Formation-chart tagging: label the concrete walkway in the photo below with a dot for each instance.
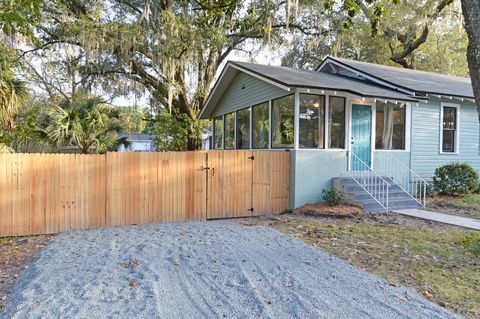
(442, 218)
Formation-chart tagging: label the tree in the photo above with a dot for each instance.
(170, 48)
(442, 51)
(13, 92)
(85, 122)
(471, 13)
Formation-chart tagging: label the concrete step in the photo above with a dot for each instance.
(398, 198)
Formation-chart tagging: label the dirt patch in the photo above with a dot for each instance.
(465, 206)
(428, 256)
(15, 255)
(325, 210)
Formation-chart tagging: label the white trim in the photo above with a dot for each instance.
(331, 60)
(373, 132)
(251, 128)
(235, 129)
(408, 125)
(327, 111)
(457, 129)
(296, 121)
(270, 124)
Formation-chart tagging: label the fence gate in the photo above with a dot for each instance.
(247, 183)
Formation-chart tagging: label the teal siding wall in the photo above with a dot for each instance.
(312, 171)
(425, 144)
(380, 160)
(255, 91)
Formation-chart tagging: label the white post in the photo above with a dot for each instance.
(296, 125)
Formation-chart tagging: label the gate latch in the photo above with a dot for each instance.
(251, 157)
(250, 209)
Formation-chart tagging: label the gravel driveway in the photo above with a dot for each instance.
(202, 270)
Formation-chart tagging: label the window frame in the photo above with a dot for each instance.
(249, 109)
(346, 124)
(252, 120)
(234, 147)
(222, 117)
(322, 128)
(456, 145)
(294, 123)
(406, 129)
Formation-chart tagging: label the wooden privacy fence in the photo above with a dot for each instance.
(49, 193)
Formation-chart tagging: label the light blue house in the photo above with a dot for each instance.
(377, 132)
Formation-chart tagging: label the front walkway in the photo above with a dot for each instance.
(442, 218)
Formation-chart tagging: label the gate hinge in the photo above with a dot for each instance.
(251, 157)
(250, 209)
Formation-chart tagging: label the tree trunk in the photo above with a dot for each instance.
(471, 13)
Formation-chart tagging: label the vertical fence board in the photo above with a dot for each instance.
(48, 193)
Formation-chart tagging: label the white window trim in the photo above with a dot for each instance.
(408, 125)
(457, 128)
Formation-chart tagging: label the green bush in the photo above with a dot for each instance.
(333, 197)
(455, 179)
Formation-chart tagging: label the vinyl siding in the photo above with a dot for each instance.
(380, 161)
(425, 145)
(312, 171)
(255, 91)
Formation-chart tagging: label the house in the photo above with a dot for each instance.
(138, 143)
(378, 132)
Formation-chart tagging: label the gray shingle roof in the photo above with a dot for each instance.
(418, 81)
(320, 80)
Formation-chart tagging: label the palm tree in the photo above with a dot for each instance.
(87, 123)
(13, 92)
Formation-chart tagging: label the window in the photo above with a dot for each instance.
(312, 121)
(390, 126)
(449, 129)
(218, 132)
(336, 122)
(243, 129)
(261, 125)
(229, 130)
(283, 122)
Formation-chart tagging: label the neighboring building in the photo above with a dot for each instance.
(139, 143)
(381, 126)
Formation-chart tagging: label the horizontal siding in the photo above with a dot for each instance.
(313, 171)
(381, 159)
(254, 91)
(426, 138)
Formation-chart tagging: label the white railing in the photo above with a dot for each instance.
(374, 184)
(400, 174)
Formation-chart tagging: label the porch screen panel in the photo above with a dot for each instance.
(261, 125)
(243, 129)
(229, 131)
(218, 132)
(336, 122)
(312, 121)
(283, 112)
(390, 126)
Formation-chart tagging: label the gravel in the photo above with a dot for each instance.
(202, 270)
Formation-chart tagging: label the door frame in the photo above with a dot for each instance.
(373, 108)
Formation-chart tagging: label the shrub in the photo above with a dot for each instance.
(455, 179)
(333, 197)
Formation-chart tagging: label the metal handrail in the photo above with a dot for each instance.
(403, 176)
(374, 184)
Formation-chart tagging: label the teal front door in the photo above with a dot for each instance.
(361, 141)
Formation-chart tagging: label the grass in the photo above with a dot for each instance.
(463, 205)
(443, 265)
(468, 200)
